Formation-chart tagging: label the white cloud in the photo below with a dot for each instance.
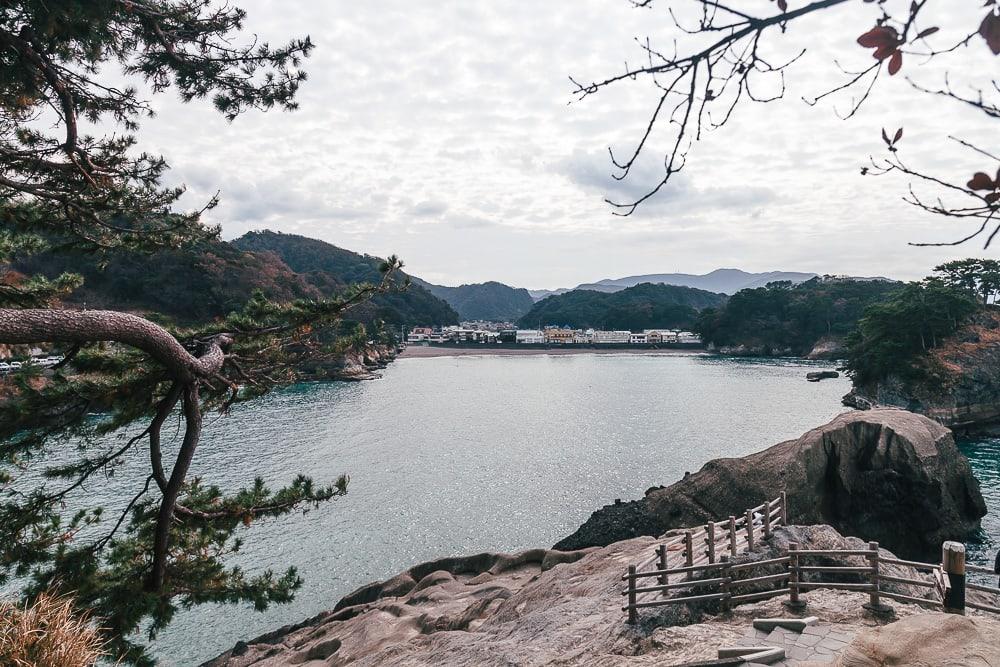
(444, 132)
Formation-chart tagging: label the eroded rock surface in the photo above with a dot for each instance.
(927, 640)
(884, 474)
(538, 607)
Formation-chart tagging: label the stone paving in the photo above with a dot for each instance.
(819, 643)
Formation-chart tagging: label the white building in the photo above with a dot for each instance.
(661, 335)
(527, 336)
(612, 336)
(638, 339)
(688, 337)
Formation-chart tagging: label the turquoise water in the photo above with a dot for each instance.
(984, 455)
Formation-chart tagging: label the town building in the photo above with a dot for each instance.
(530, 336)
(560, 336)
(608, 337)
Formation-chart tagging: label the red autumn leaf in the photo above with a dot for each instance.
(927, 33)
(879, 36)
(782, 5)
(885, 137)
(883, 52)
(992, 197)
(990, 31)
(895, 62)
(981, 181)
(899, 135)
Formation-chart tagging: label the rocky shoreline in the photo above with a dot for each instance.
(355, 365)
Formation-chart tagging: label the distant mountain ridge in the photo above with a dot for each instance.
(491, 301)
(721, 281)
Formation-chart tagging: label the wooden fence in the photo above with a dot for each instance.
(695, 550)
(697, 565)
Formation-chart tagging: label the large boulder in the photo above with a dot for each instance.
(927, 640)
(883, 474)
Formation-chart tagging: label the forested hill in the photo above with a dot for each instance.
(329, 268)
(645, 306)
(490, 301)
(198, 285)
(783, 318)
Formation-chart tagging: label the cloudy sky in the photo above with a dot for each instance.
(446, 132)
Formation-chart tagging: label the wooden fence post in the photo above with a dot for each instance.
(662, 564)
(632, 612)
(953, 566)
(793, 578)
(749, 530)
(688, 549)
(875, 601)
(767, 519)
(732, 538)
(726, 582)
(784, 509)
(710, 537)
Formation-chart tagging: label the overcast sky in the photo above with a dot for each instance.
(442, 131)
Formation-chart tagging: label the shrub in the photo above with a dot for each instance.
(48, 633)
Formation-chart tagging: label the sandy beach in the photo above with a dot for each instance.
(427, 351)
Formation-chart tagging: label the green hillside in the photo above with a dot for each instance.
(783, 316)
(490, 301)
(194, 286)
(329, 268)
(644, 306)
(186, 286)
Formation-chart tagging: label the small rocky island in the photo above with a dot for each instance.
(884, 474)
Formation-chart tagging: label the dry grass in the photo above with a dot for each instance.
(48, 633)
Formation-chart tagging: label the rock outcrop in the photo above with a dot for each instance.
(536, 608)
(828, 347)
(355, 364)
(927, 640)
(961, 381)
(884, 474)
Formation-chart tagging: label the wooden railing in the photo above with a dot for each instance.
(697, 566)
(702, 549)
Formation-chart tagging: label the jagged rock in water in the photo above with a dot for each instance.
(816, 376)
(927, 640)
(885, 474)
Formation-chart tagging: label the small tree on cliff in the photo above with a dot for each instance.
(75, 191)
(979, 277)
(717, 59)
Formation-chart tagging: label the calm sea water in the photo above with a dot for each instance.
(467, 454)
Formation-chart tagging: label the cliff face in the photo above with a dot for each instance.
(884, 474)
(538, 607)
(962, 387)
